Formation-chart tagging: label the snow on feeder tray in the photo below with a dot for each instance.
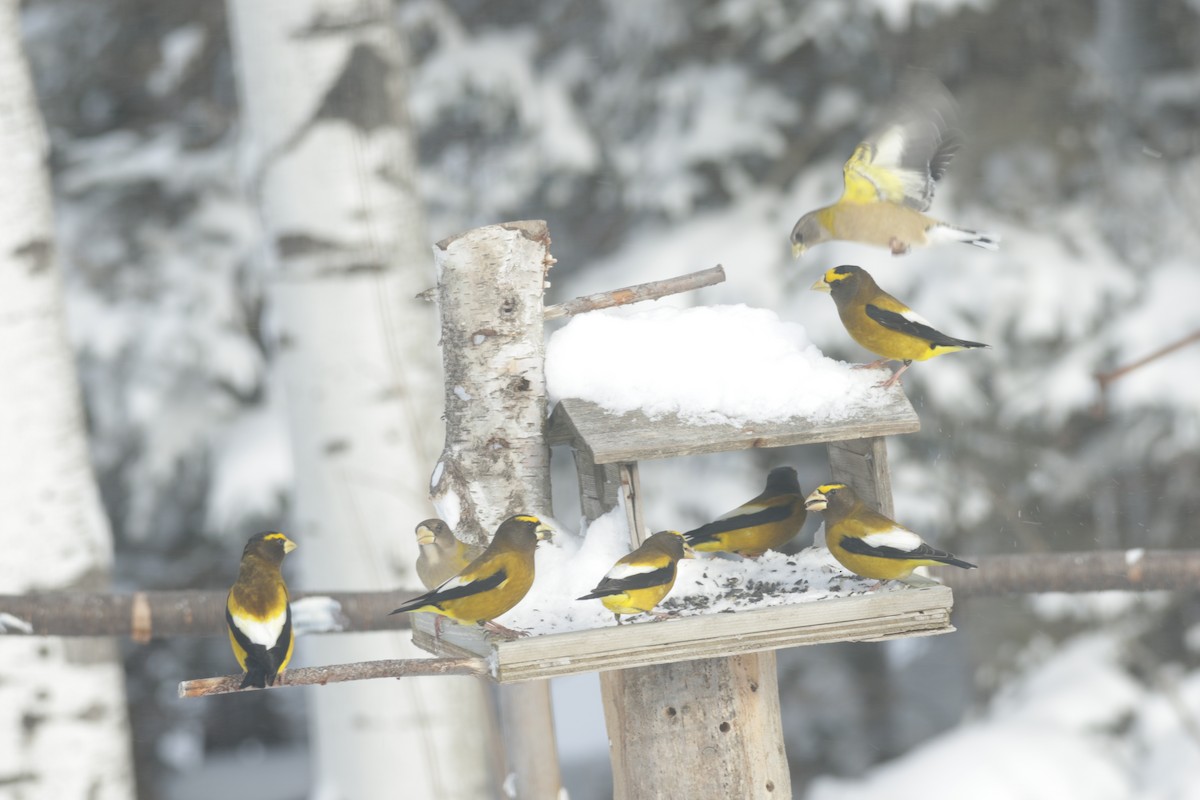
(775, 602)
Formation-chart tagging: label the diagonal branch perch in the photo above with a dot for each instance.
(339, 673)
(635, 294)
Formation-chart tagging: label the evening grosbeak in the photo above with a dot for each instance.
(494, 582)
(639, 581)
(257, 612)
(443, 555)
(869, 544)
(890, 178)
(766, 522)
(882, 324)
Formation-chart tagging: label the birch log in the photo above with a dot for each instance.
(330, 159)
(63, 726)
(496, 461)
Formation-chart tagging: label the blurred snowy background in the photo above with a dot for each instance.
(661, 137)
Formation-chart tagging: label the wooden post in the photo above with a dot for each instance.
(862, 465)
(496, 461)
(708, 728)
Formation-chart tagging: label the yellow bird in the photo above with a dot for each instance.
(257, 612)
(443, 555)
(869, 544)
(890, 178)
(764, 523)
(494, 582)
(882, 324)
(639, 581)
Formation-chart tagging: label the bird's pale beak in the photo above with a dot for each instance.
(798, 249)
(688, 552)
(544, 532)
(815, 501)
(425, 536)
(288, 545)
(821, 286)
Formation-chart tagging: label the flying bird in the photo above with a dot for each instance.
(882, 324)
(764, 523)
(494, 582)
(869, 544)
(639, 581)
(890, 178)
(257, 611)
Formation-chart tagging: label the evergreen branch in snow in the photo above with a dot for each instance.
(635, 294)
(340, 673)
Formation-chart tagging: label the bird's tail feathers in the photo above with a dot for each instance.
(953, 233)
(260, 668)
(954, 561)
(596, 594)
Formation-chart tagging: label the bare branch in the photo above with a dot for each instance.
(1105, 379)
(144, 615)
(634, 294)
(1130, 570)
(339, 673)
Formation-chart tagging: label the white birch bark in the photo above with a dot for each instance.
(63, 724)
(331, 159)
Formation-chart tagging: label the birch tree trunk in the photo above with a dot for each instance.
(331, 160)
(496, 461)
(63, 725)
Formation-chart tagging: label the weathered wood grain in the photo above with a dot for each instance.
(863, 466)
(869, 617)
(633, 436)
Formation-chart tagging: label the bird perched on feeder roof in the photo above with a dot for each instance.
(494, 582)
(443, 555)
(639, 581)
(869, 544)
(764, 523)
(882, 324)
(257, 611)
(890, 178)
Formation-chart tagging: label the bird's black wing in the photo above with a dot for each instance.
(710, 532)
(922, 553)
(639, 580)
(902, 324)
(439, 596)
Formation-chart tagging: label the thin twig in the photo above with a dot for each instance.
(1105, 378)
(339, 673)
(634, 294)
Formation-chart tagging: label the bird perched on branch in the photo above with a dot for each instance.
(494, 582)
(882, 324)
(443, 555)
(869, 544)
(257, 611)
(764, 523)
(639, 581)
(890, 178)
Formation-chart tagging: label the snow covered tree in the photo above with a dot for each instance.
(330, 162)
(62, 702)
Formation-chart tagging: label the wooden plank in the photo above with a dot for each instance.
(868, 617)
(631, 497)
(654, 723)
(598, 485)
(620, 438)
(863, 466)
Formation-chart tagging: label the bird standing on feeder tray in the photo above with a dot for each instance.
(257, 611)
(764, 523)
(890, 178)
(869, 544)
(882, 324)
(639, 581)
(494, 582)
(443, 555)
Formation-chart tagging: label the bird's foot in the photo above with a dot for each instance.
(508, 633)
(876, 364)
(898, 246)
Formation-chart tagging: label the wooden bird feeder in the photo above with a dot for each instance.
(607, 448)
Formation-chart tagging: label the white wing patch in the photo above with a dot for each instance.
(622, 571)
(261, 631)
(896, 538)
(889, 147)
(913, 316)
